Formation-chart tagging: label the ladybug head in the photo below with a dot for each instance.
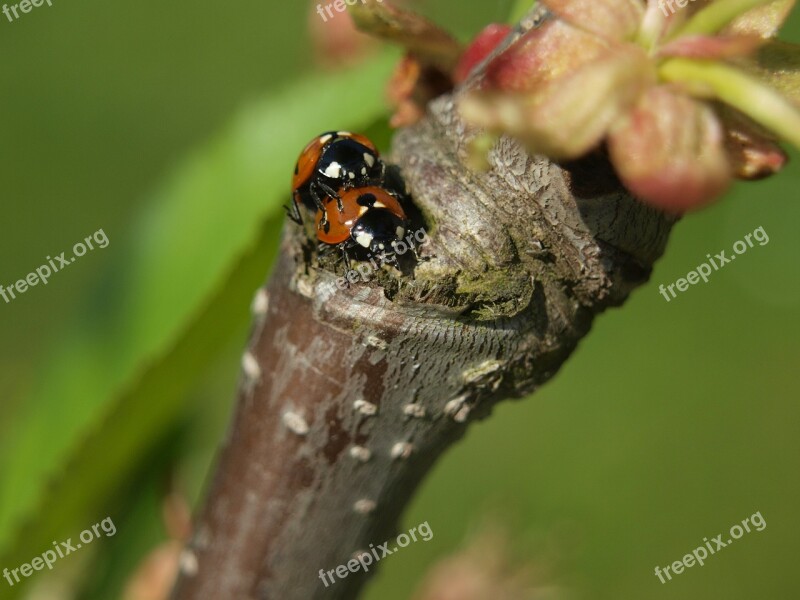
(377, 230)
(348, 162)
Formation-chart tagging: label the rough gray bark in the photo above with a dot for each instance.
(349, 396)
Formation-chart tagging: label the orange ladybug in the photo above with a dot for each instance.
(330, 164)
(370, 220)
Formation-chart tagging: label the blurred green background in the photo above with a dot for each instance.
(672, 421)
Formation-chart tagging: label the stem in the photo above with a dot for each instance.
(420, 37)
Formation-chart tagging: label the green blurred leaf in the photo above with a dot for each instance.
(717, 15)
(778, 64)
(519, 9)
(762, 103)
(105, 461)
(180, 294)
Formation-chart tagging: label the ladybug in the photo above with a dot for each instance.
(333, 162)
(370, 220)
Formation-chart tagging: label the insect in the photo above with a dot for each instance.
(329, 165)
(371, 220)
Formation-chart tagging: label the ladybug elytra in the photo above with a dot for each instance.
(372, 220)
(333, 161)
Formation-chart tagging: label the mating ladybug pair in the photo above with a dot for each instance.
(341, 178)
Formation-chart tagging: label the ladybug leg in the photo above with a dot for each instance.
(416, 254)
(391, 258)
(293, 212)
(332, 193)
(320, 206)
(343, 248)
(346, 258)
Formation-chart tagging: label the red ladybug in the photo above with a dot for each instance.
(330, 164)
(370, 219)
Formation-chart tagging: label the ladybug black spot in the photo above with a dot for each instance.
(366, 200)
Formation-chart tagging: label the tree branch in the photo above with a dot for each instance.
(522, 258)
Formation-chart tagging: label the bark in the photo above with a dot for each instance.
(349, 396)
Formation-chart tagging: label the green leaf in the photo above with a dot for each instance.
(736, 88)
(716, 16)
(106, 460)
(778, 64)
(164, 310)
(519, 9)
